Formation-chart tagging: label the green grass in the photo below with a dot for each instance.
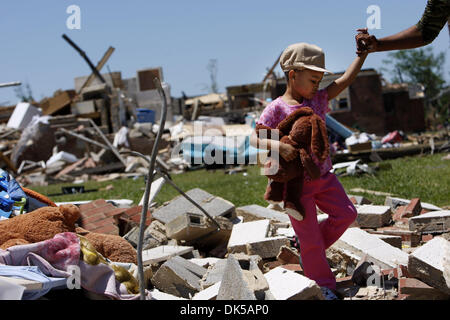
(424, 177)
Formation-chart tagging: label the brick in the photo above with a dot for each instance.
(407, 235)
(135, 215)
(85, 220)
(436, 221)
(107, 229)
(114, 212)
(293, 267)
(400, 272)
(92, 205)
(413, 208)
(360, 242)
(98, 210)
(395, 202)
(86, 206)
(399, 213)
(427, 263)
(100, 202)
(418, 289)
(288, 255)
(272, 265)
(427, 237)
(371, 216)
(359, 200)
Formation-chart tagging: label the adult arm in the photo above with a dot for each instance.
(434, 18)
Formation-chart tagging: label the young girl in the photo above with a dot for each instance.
(304, 67)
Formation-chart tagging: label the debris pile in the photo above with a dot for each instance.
(393, 252)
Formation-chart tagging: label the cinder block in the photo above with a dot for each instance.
(427, 263)
(163, 253)
(255, 212)
(247, 232)
(289, 285)
(240, 283)
(214, 274)
(360, 242)
(188, 226)
(395, 241)
(205, 262)
(199, 228)
(370, 216)
(179, 277)
(268, 247)
(215, 206)
(209, 293)
(436, 221)
(394, 202)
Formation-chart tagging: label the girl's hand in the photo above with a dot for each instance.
(287, 151)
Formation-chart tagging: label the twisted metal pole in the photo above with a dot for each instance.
(148, 184)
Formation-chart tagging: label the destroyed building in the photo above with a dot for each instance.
(366, 105)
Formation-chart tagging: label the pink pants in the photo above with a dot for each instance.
(329, 195)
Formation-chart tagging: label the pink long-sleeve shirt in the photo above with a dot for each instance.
(278, 110)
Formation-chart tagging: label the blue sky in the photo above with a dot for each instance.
(182, 36)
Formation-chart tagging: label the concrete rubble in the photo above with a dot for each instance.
(254, 254)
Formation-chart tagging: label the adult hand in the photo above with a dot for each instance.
(365, 42)
(287, 151)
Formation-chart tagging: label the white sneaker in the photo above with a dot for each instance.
(328, 294)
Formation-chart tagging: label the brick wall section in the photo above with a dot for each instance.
(134, 214)
(367, 107)
(100, 216)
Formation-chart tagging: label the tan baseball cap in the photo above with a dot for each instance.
(303, 55)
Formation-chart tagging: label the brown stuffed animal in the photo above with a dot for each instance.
(44, 223)
(306, 132)
(38, 225)
(115, 248)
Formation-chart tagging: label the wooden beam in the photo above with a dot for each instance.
(273, 67)
(99, 66)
